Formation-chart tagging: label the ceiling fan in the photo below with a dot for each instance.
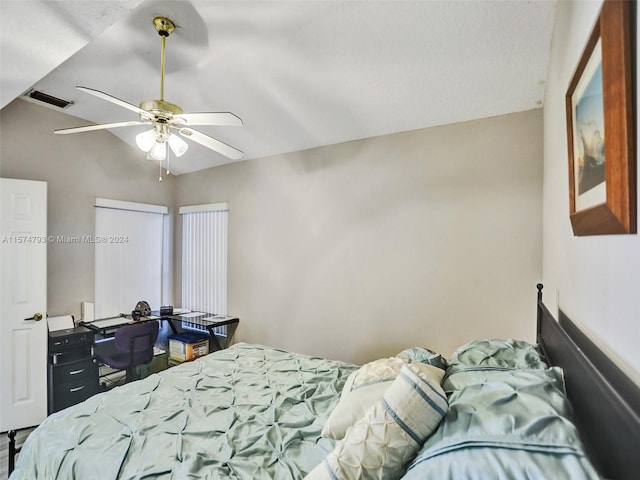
(168, 122)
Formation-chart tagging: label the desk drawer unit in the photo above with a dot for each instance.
(72, 382)
(75, 371)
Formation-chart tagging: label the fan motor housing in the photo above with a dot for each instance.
(160, 106)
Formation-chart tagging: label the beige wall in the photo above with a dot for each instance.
(78, 168)
(352, 251)
(595, 280)
(358, 250)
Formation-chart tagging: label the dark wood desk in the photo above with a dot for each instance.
(108, 326)
(188, 321)
(212, 324)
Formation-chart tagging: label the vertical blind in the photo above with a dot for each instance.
(204, 257)
(129, 253)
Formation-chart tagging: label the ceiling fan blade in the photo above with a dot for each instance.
(212, 143)
(225, 119)
(110, 98)
(88, 128)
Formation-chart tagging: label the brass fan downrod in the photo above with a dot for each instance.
(164, 27)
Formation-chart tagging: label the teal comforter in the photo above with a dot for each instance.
(248, 412)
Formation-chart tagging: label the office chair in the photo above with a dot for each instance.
(134, 346)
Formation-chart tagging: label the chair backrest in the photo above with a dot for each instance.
(137, 339)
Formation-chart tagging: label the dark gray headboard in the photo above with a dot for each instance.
(605, 401)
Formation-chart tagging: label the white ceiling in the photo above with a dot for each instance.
(300, 74)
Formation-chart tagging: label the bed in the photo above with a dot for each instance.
(497, 408)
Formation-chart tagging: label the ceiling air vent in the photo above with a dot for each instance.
(37, 96)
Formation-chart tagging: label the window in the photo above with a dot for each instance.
(204, 257)
(131, 252)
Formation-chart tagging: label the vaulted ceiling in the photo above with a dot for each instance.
(300, 74)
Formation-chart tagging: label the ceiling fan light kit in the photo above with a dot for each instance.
(167, 120)
(145, 140)
(178, 146)
(158, 151)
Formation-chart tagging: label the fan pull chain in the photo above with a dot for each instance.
(160, 163)
(168, 157)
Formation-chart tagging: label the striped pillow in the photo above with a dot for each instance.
(388, 436)
(364, 388)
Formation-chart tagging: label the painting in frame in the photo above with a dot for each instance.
(600, 129)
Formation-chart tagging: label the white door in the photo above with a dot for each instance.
(23, 298)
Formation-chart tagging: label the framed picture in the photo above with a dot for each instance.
(600, 129)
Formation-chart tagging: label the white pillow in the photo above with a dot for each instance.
(381, 443)
(364, 388)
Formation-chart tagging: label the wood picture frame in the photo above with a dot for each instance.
(600, 98)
